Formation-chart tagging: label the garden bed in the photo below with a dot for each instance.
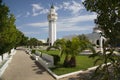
(83, 63)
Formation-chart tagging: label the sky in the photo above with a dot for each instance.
(31, 17)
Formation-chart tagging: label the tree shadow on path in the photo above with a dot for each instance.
(38, 67)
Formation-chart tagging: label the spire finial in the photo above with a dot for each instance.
(52, 6)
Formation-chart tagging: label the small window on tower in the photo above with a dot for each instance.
(49, 16)
(53, 14)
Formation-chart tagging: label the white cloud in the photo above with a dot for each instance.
(66, 5)
(37, 9)
(74, 28)
(36, 6)
(40, 24)
(68, 24)
(27, 14)
(44, 11)
(80, 18)
(18, 27)
(73, 6)
(76, 7)
(18, 16)
(82, 0)
(32, 33)
(57, 8)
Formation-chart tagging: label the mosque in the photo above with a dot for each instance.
(95, 37)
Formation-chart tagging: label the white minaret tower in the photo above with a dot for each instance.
(52, 17)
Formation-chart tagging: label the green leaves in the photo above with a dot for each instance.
(72, 48)
(9, 35)
(108, 17)
(31, 42)
(108, 20)
(53, 47)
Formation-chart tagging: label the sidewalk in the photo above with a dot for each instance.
(22, 67)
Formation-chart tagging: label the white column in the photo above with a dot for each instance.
(101, 44)
(50, 32)
(55, 31)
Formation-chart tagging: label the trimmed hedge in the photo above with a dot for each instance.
(56, 59)
(33, 51)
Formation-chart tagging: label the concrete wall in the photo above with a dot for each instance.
(48, 58)
(6, 60)
(44, 59)
(0, 59)
(5, 56)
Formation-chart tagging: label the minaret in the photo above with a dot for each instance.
(52, 17)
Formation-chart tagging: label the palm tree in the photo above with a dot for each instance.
(75, 50)
(71, 48)
(64, 47)
(78, 45)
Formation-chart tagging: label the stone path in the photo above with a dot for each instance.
(22, 67)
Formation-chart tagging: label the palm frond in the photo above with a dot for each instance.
(53, 47)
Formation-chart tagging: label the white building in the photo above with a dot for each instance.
(52, 17)
(95, 37)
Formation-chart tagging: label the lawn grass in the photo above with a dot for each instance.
(55, 52)
(83, 63)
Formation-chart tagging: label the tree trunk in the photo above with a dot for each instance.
(72, 61)
(66, 61)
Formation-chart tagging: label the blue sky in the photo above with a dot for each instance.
(31, 17)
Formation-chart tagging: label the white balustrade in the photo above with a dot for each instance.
(44, 59)
(5, 56)
(6, 60)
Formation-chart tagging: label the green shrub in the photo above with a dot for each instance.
(33, 51)
(56, 59)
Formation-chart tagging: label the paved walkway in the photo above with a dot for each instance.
(22, 67)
